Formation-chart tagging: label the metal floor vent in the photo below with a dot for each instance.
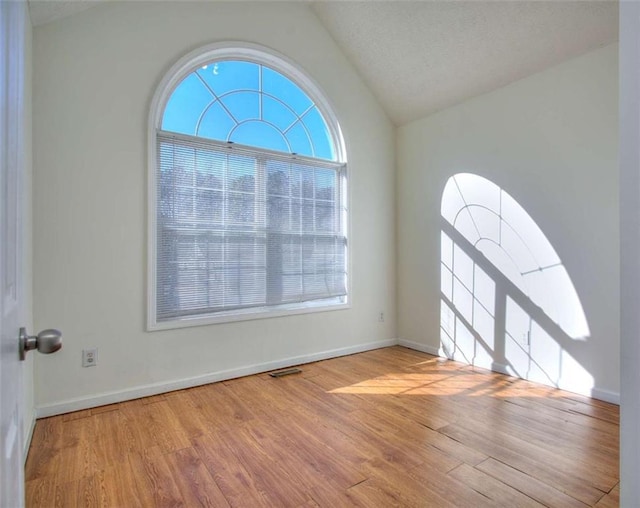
(284, 372)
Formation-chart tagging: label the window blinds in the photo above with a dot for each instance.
(240, 228)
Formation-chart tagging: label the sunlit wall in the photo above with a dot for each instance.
(507, 300)
(546, 148)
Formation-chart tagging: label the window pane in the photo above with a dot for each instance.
(242, 105)
(276, 84)
(240, 207)
(226, 76)
(295, 180)
(320, 136)
(277, 180)
(183, 203)
(296, 215)
(325, 184)
(209, 205)
(278, 213)
(306, 175)
(275, 112)
(216, 123)
(298, 138)
(185, 106)
(210, 169)
(307, 215)
(260, 134)
(240, 175)
(325, 216)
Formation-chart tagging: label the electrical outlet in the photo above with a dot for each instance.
(90, 357)
(381, 317)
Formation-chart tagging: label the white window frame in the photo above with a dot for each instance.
(259, 54)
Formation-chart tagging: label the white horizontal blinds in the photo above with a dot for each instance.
(240, 228)
(306, 244)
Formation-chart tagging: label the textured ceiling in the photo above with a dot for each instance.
(422, 56)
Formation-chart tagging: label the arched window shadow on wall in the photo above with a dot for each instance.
(507, 302)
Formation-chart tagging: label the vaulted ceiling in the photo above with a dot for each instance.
(422, 56)
(419, 57)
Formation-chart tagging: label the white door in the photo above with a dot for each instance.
(12, 32)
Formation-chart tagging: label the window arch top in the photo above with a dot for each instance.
(249, 103)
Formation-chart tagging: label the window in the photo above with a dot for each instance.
(247, 192)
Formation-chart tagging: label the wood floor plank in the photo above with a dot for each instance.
(112, 443)
(161, 478)
(559, 442)
(377, 444)
(537, 405)
(516, 439)
(447, 487)
(545, 472)
(389, 427)
(310, 431)
(329, 497)
(219, 406)
(269, 404)
(492, 488)
(309, 393)
(188, 417)
(304, 459)
(127, 484)
(411, 423)
(86, 492)
(42, 493)
(378, 492)
(412, 490)
(274, 483)
(196, 485)
(582, 428)
(68, 417)
(239, 486)
(409, 439)
(610, 500)
(154, 425)
(535, 489)
(66, 454)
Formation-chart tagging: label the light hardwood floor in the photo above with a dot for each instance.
(390, 427)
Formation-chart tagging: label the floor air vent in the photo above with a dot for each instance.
(284, 372)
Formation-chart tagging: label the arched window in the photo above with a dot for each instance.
(247, 191)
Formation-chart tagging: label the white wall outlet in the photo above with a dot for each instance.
(381, 317)
(90, 357)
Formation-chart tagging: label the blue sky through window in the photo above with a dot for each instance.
(250, 104)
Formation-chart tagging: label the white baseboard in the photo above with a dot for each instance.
(29, 437)
(595, 393)
(605, 395)
(180, 384)
(419, 347)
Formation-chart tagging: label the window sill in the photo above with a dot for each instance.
(246, 315)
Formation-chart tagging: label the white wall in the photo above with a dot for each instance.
(94, 76)
(550, 141)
